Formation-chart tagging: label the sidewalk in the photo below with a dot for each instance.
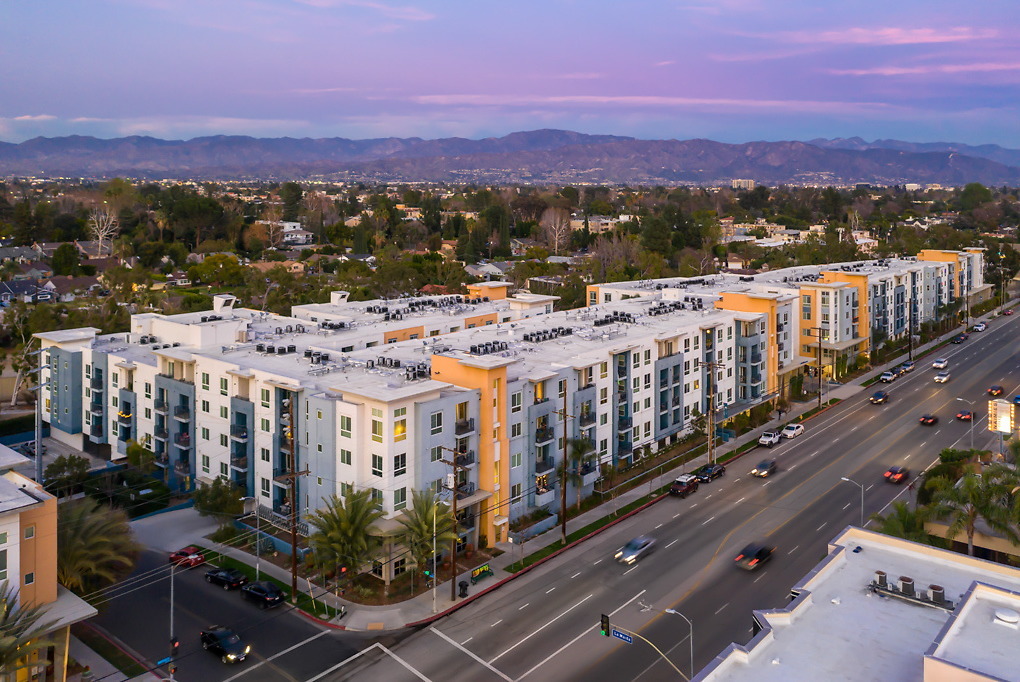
(99, 667)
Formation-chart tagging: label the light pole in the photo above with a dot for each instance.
(251, 506)
(173, 637)
(972, 418)
(844, 478)
(674, 612)
(435, 577)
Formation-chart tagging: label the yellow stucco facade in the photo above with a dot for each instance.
(758, 303)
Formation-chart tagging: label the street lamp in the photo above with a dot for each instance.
(435, 576)
(848, 480)
(251, 506)
(674, 612)
(972, 418)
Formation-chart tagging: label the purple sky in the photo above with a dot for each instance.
(729, 70)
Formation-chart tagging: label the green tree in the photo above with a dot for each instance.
(140, 457)
(579, 454)
(220, 499)
(94, 545)
(904, 522)
(976, 497)
(973, 195)
(290, 195)
(343, 530)
(66, 260)
(417, 529)
(656, 237)
(65, 474)
(22, 633)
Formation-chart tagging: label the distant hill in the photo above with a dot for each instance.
(537, 156)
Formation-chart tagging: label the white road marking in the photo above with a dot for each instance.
(583, 633)
(538, 630)
(792, 467)
(938, 432)
(278, 654)
(821, 526)
(870, 487)
(853, 429)
(708, 521)
(575, 575)
(721, 608)
(906, 458)
(521, 608)
(794, 549)
(550, 590)
(466, 641)
(676, 516)
(759, 577)
(672, 543)
(692, 507)
(597, 562)
(741, 500)
(347, 660)
(630, 569)
(496, 623)
(847, 505)
(471, 654)
(658, 527)
(835, 440)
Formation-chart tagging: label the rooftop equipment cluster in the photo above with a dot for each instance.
(616, 316)
(548, 334)
(272, 349)
(665, 307)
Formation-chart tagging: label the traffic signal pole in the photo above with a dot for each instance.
(607, 631)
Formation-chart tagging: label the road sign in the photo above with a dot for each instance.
(163, 661)
(624, 636)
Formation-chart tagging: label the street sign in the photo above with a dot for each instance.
(163, 661)
(624, 636)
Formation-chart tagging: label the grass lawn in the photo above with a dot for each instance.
(108, 650)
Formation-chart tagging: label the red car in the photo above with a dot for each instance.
(188, 557)
(965, 415)
(897, 474)
(996, 390)
(1008, 312)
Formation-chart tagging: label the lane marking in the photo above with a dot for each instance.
(550, 590)
(472, 655)
(597, 562)
(466, 641)
(721, 608)
(710, 519)
(521, 608)
(759, 577)
(277, 655)
(496, 623)
(869, 487)
(794, 549)
(658, 527)
(676, 516)
(692, 507)
(847, 505)
(575, 575)
(538, 630)
(821, 526)
(741, 500)
(672, 543)
(630, 569)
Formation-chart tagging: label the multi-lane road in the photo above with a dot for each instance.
(544, 625)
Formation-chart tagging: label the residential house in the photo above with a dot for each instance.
(23, 290)
(46, 249)
(91, 249)
(20, 254)
(33, 270)
(67, 288)
(292, 266)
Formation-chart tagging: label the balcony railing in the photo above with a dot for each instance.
(624, 447)
(464, 426)
(284, 444)
(161, 406)
(182, 440)
(124, 417)
(97, 408)
(539, 401)
(587, 419)
(162, 460)
(97, 384)
(283, 472)
(625, 422)
(239, 463)
(543, 465)
(465, 489)
(543, 434)
(466, 459)
(97, 429)
(182, 468)
(182, 413)
(544, 496)
(589, 473)
(755, 358)
(238, 432)
(160, 434)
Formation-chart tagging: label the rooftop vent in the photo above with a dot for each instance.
(1007, 617)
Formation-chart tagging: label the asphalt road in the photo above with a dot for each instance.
(285, 645)
(544, 626)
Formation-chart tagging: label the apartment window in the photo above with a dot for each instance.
(603, 396)
(648, 380)
(205, 433)
(515, 460)
(224, 386)
(223, 469)
(637, 383)
(205, 405)
(400, 412)
(113, 401)
(515, 430)
(400, 464)
(436, 453)
(400, 429)
(224, 441)
(29, 578)
(345, 426)
(515, 493)
(265, 487)
(148, 413)
(648, 429)
(516, 400)
(376, 412)
(377, 464)
(648, 357)
(29, 532)
(265, 425)
(603, 419)
(436, 422)
(3, 538)
(345, 457)
(224, 412)
(116, 378)
(148, 390)
(399, 502)
(264, 452)
(377, 497)
(563, 388)
(318, 447)
(205, 381)
(637, 360)
(346, 489)
(377, 430)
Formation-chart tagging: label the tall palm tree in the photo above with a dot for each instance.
(976, 497)
(94, 545)
(342, 535)
(22, 633)
(578, 454)
(904, 522)
(417, 529)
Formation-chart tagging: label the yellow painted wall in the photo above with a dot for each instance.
(39, 555)
(860, 282)
(805, 335)
(588, 290)
(493, 405)
(480, 320)
(745, 303)
(939, 256)
(403, 334)
(495, 293)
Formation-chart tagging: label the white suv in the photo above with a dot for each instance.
(940, 363)
(769, 438)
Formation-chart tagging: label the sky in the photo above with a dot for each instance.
(727, 70)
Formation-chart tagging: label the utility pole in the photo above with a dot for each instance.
(563, 470)
(291, 474)
(818, 335)
(910, 329)
(453, 543)
(710, 385)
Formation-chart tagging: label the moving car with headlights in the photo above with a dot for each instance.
(959, 338)
(792, 430)
(1008, 312)
(888, 377)
(225, 643)
(996, 390)
(636, 549)
(941, 377)
(905, 367)
(707, 472)
(187, 557)
(928, 420)
(765, 468)
(684, 485)
(940, 363)
(753, 556)
(965, 415)
(227, 578)
(263, 593)
(897, 474)
(769, 438)
(879, 397)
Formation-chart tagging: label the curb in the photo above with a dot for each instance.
(316, 619)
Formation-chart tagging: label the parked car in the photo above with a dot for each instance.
(263, 593)
(959, 338)
(980, 327)
(965, 415)
(753, 556)
(684, 485)
(227, 578)
(897, 474)
(225, 643)
(996, 390)
(707, 472)
(765, 468)
(769, 438)
(907, 366)
(792, 430)
(1008, 312)
(888, 377)
(188, 557)
(940, 363)
(636, 549)
(879, 397)
(928, 420)
(941, 377)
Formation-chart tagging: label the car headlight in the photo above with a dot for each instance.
(247, 649)
(231, 656)
(618, 555)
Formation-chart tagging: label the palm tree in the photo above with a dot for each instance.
(578, 455)
(976, 497)
(342, 535)
(94, 545)
(21, 633)
(424, 519)
(904, 522)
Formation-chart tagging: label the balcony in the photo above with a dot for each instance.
(465, 489)
(755, 358)
(544, 496)
(97, 408)
(543, 434)
(465, 459)
(97, 430)
(585, 387)
(162, 460)
(182, 413)
(624, 447)
(239, 433)
(543, 465)
(182, 468)
(284, 444)
(589, 473)
(464, 426)
(625, 422)
(182, 440)
(587, 419)
(282, 473)
(676, 401)
(160, 434)
(239, 463)
(539, 401)
(124, 417)
(162, 407)
(97, 384)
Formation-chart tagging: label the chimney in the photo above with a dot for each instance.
(936, 594)
(881, 580)
(907, 586)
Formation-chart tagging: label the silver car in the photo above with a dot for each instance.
(638, 548)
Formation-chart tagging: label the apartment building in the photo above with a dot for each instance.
(28, 560)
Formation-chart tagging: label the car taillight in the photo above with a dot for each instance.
(739, 557)
(753, 562)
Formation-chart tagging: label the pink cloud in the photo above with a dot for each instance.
(889, 36)
(38, 117)
(935, 68)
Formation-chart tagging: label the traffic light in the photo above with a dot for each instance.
(175, 646)
(605, 625)
(172, 668)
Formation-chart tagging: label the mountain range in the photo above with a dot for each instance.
(540, 156)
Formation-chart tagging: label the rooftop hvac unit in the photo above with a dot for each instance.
(176, 343)
(325, 357)
(308, 352)
(205, 318)
(166, 345)
(370, 364)
(292, 349)
(260, 347)
(301, 329)
(289, 329)
(282, 350)
(279, 330)
(396, 363)
(270, 349)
